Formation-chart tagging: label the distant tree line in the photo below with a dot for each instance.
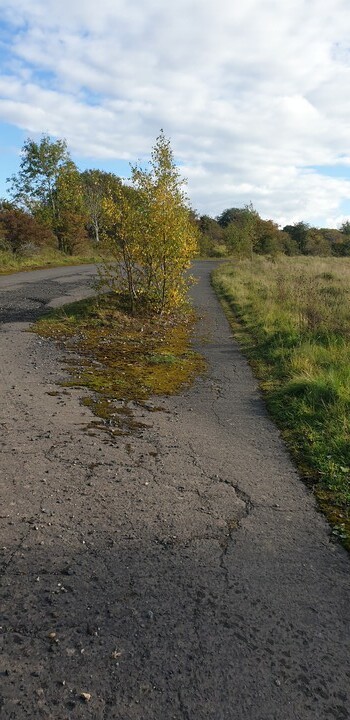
(54, 205)
(242, 232)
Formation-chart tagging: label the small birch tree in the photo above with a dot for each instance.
(97, 185)
(121, 223)
(169, 234)
(153, 233)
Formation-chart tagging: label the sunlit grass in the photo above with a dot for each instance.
(292, 316)
(10, 262)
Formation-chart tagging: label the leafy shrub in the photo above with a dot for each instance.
(18, 229)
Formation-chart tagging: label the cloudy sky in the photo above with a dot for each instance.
(254, 95)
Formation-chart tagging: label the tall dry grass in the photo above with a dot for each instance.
(294, 318)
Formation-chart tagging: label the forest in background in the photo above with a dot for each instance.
(242, 232)
(52, 206)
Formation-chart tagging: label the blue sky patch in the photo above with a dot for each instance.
(342, 172)
(245, 110)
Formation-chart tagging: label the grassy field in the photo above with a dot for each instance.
(10, 262)
(292, 316)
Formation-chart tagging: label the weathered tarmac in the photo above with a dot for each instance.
(181, 573)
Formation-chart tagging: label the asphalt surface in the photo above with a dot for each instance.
(179, 573)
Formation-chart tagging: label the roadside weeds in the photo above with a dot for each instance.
(280, 314)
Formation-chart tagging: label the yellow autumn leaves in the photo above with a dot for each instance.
(151, 234)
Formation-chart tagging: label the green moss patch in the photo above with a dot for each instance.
(121, 358)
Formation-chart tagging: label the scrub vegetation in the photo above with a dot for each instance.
(292, 316)
(151, 235)
(242, 232)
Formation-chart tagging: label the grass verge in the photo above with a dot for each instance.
(292, 318)
(123, 359)
(10, 263)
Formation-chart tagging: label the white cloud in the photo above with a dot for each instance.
(252, 94)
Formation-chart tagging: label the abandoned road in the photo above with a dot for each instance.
(181, 573)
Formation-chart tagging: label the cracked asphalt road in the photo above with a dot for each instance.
(182, 573)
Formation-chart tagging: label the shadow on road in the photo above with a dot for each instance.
(148, 627)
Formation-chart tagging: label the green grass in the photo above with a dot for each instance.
(123, 359)
(10, 262)
(292, 317)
